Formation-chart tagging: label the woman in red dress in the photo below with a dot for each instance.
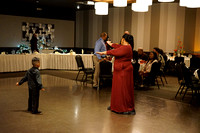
(122, 96)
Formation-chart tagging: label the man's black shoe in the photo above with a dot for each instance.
(37, 112)
(108, 108)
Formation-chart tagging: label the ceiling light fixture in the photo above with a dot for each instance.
(149, 2)
(139, 7)
(193, 4)
(120, 3)
(165, 0)
(101, 8)
(183, 3)
(78, 7)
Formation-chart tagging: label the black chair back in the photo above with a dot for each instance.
(105, 68)
(79, 62)
(194, 63)
(155, 69)
(179, 59)
(179, 71)
(187, 75)
(165, 57)
(152, 77)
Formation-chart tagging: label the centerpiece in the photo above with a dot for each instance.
(179, 50)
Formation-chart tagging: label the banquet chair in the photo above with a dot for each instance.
(180, 76)
(194, 63)
(160, 73)
(155, 72)
(179, 59)
(105, 71)
(152, 78)
(136, 76)
(81, 67)
(190, 82)
(170, 67)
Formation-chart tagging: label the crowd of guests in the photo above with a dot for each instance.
(155, 62)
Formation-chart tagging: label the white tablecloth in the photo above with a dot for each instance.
(186, 60)
(13, 63)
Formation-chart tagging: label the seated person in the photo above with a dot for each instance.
(164, 55)
(147, 72)
(142, 55)
(160, 58)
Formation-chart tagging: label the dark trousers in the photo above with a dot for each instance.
(33, 100)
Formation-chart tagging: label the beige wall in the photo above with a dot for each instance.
(160, 27)
(11, 32)
(197, 32)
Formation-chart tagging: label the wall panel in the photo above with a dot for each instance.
(197, 33)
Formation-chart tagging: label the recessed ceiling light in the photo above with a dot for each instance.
(78, 7)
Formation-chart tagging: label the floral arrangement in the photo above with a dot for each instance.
(22, 47)
(179, 50)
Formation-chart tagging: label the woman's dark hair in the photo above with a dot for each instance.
(157, 49)
(155, 55)
(161, 52)
(129, 39)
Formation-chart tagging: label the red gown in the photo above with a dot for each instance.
(122, 96)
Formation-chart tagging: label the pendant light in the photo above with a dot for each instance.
(120, 3)
(149, 2)
(101, 8)
(183, 3)
(139, 7)
(193, 4)
(165, 0)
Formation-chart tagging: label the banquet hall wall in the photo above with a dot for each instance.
(11, 31)
(160, 27)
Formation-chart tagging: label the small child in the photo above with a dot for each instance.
(34, 85)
